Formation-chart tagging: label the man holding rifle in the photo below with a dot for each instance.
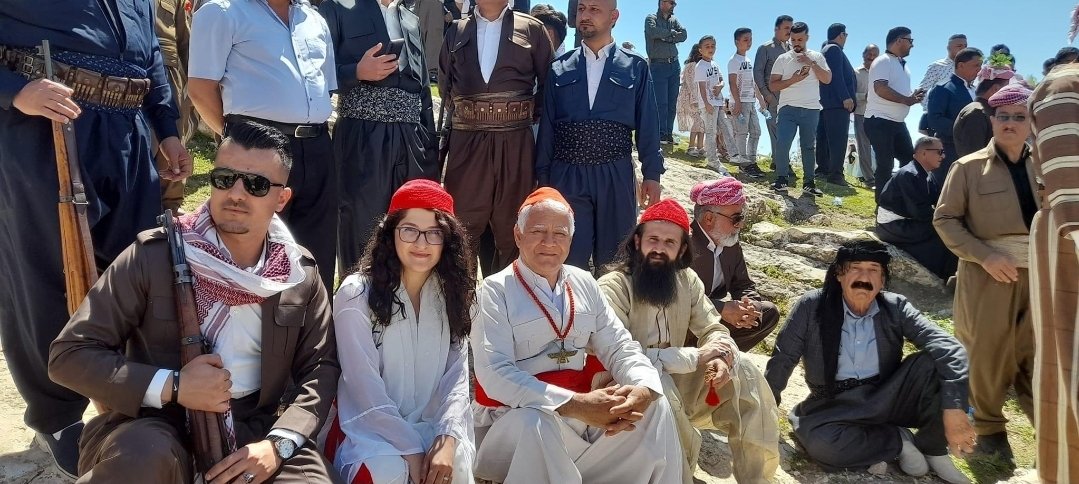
(263, 312)
(111, 84)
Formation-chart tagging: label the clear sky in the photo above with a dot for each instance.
(1032, 29)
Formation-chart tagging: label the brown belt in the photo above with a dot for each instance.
(487, 112)
(90, 87)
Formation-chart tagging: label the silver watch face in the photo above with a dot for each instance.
(285, 447)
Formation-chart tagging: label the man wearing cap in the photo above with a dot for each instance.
(720, 264)
(545, 409)
(262, 309)
(1055, 257)
(599, 102)
(863, 394)
(973, 129)
(984, 217)
(905, 210)
(662, 301)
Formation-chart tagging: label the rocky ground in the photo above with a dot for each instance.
(789, 243)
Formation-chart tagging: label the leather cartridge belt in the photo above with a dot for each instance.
(502, 111)
(91, 88)
(292, 130)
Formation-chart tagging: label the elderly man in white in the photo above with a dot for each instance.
(546, 409)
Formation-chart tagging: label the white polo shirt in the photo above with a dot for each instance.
(894, 70)
(804, 93)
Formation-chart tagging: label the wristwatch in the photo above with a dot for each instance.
(284, 446)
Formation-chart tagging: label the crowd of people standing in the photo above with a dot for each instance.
(611, 323)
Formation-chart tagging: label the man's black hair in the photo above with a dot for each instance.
(800, 28)
(783, 18)
(252, 135)
(957, 37)
(554, 20)
(1065, 53)
(835, 30)
(895, 34)
(740, 31)
(968, 54)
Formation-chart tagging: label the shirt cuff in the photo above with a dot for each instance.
(152, 397)
(295, 437)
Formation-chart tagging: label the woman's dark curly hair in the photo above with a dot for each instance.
(455, 270)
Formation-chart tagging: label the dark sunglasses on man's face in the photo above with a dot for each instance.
(735, 219)
(256, 185)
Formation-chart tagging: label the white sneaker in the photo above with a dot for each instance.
(911, 460)
(693, 152)
(945, 469)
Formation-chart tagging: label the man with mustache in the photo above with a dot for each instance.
(719, 262)
(599, 101)
(545, 409)
(662, 301)
(984, 216)
(263, 310)
(864, 395)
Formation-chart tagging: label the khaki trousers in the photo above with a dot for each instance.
(993, 321)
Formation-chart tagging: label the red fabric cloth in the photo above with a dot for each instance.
(572, 380)
(724, 191)
(421, 193)
(667, 210)
(544, 193)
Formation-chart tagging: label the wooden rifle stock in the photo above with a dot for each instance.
(80, 268)
(207, 428)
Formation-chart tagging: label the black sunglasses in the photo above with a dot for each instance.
(256, 185)
(735, 219)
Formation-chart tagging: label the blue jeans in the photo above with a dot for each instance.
(666, 77)
(803, 121)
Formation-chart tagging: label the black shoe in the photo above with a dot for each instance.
(753, 171)
(65, 450)
(838, 181)
(772, 166)
(996, 445)
(812, 190)
(780, 185)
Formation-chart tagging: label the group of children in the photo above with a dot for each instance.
(721, 129)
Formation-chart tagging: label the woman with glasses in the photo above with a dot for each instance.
(402, 320)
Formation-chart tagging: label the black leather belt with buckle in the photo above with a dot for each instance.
(663, 60)
(294, 130)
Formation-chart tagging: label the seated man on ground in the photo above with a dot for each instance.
(660, 300)
(541, 342)
(905, 210)
(720, 264)
(864, 396)
(261, 307)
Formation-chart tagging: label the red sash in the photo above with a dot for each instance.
(577, 381)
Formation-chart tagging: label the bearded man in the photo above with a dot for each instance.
(864, 396)
(661, 300)
(718, 217)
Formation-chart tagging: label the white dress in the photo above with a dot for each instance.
(401, 385)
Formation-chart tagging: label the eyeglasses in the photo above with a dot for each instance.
(1004, 118)
(735, 219)
(908, 39)
(410, 235)
(256, 185)
(938, 151)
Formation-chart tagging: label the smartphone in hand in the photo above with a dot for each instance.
(394, 47)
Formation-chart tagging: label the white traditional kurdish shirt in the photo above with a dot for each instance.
(513, 338)
(401, 385)
(594, 63)
(488, 38)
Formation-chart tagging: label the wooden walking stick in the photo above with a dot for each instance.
(208, 430)
(80, 269)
